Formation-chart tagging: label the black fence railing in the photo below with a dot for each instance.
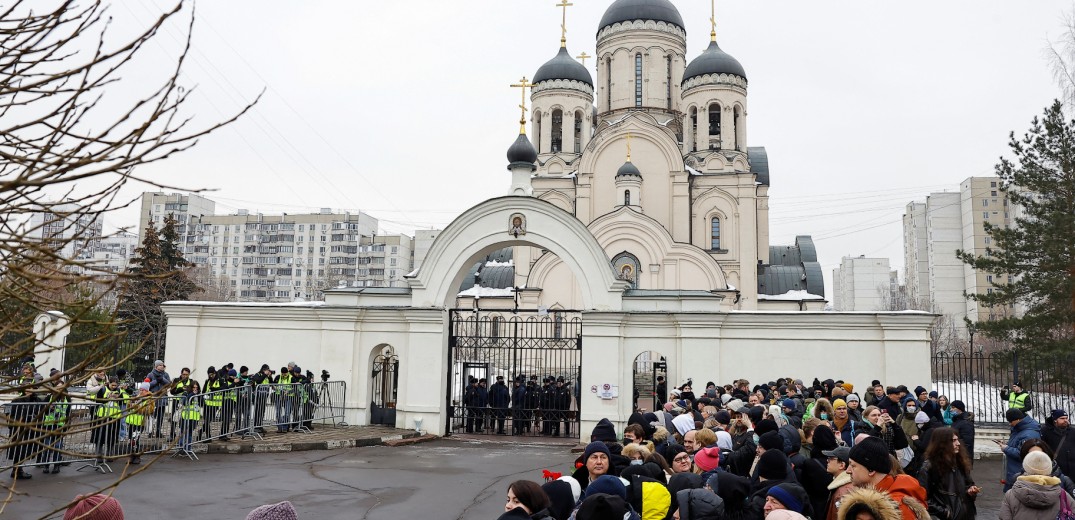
(979, 379)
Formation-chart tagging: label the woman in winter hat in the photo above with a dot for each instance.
(1036, 495)
(94, 507)
(279, 511)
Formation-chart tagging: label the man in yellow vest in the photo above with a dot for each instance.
(139, 411)
(1017, 397)
(285, 395)
(179, 388)
(109, 409)
(213, 402)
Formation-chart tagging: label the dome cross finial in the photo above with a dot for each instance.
(522, 85)
(563, 23)
(713, 20)
(628, 146)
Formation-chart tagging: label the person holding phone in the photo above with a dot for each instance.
(882, 425)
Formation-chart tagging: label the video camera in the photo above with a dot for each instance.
(325, 376)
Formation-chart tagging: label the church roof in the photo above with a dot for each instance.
(714, 61)
(759, 163)
(563, 66)
(495, 271)
(522, 151)
(631, 10)
(792, 268)
(628, 168)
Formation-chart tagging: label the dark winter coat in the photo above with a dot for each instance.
(816, 479)
(1065, 451)
(499, 395)
(946, 495)
(965, 430)
(518, 398)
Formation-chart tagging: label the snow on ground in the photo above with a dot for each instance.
(791, 296)
(983, 400)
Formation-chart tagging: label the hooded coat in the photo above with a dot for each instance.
(1027, 428)
(876, 503)
(649, 497)
(1033, 497)
(699, 504)
(964, 429)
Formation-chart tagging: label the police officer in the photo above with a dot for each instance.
(262, 382)
(1017, 397)
(518, 406)
(563, 404)
(109, 402)
(533, 402)
(476, 399)
(548, 410)
(499, 400)
(285, 390)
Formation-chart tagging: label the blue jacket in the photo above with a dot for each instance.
(499, 395)
(1025, 429)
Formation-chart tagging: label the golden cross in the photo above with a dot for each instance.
(563, 23)
(713, 20)
(522, 85)
(628, 146)
(584, 57)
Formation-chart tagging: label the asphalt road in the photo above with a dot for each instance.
(445, 479)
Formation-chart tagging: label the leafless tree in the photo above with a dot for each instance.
(1061, 55)
(67, 149)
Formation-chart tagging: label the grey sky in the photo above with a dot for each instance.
(403, 109)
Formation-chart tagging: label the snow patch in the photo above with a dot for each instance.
(494, 263)
(791, 296)
(692, 171)
(488, 292)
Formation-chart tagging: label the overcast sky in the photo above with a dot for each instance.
(403, 109)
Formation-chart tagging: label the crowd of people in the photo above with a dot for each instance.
(125, 412)
(790, 451)
(532, 408)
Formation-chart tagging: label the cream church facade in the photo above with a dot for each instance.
(635, 227)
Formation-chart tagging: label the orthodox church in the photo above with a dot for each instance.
(653, 156)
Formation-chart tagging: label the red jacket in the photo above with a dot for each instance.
(904, 486)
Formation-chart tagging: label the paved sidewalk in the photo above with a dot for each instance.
(321, 438)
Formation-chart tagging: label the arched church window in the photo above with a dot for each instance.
(626, 197)
(627, 268)
(557, 130)
(693, 136)
(578, 131)
(638, 79)
(668, 79)
(537, 129)
(738, 113)
(714, 240)
(714, 126)
(608, 83)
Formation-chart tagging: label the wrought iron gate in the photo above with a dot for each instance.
(385, 378)
(531, 365)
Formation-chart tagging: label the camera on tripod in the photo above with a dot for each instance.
(325, 376)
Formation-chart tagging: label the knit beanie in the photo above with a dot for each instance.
(724, 399)
(1037, 463)
(765, 426)
(603, 431)
(595, 447)
(839, 403)
(958, 405)
(773, 465)
(921, 418)
(94, 507)
(791, 495)
(1058, 413)
(824, 438)
(771, 441)
(281, 511)
(602, 506)
(1014, 414)
(853, 397)
(606, 484)
(872, 454)
(708, 458)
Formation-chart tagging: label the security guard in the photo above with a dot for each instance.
(285, 394)
(179, 387)
(54, 422)
(110, 400)
(1017, 397)
(190, 412)
(140, 408)
(213, 402)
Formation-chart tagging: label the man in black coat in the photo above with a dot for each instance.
(963, 426)
(518, 406)
(562, 403)
(1055, 432)
(499, 400)
(475, 400)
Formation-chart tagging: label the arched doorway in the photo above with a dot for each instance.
(650, 381)
(384, 378)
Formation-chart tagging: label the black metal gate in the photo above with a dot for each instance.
(650, 374)
(514, 372)
(385, 377)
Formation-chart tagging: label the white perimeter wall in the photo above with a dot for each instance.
(759, 346)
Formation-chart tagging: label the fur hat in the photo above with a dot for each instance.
(280, 511)
(707, 458)
(94, 507)
(872, 453)
(773, 465)
(1037, 463)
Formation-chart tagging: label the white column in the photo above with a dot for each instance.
(50, 331)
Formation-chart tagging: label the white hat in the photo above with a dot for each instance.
(576, 489)
(1038, 463)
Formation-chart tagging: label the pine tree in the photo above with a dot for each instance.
(1038, 251)
(157, 274)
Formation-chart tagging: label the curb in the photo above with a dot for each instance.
(235, 448)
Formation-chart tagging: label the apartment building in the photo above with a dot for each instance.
(72, 234)
(945, 223)
(287, 257)
(862, 284)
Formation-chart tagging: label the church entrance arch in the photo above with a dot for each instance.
(650, 381)
(515, 372)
